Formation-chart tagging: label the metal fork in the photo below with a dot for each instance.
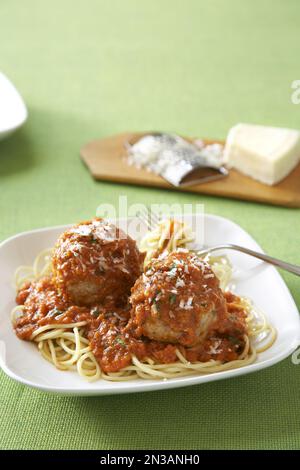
(292, 268)
(151, 219)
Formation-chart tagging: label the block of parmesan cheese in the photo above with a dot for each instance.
(267, 154)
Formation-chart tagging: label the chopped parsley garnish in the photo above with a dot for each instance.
(172, 298)
(234, 340)
(95, 312)
(54, 312)
(156, 305)
(157, 294)
(173, 266)
(156, 299)
(119, 340)
(92, 238)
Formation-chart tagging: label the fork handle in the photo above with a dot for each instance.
(292, 268)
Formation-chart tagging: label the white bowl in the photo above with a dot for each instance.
(13, 112)
(254, 279)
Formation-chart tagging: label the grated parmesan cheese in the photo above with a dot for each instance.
(173, 157)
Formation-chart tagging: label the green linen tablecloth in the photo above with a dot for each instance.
(89, 69)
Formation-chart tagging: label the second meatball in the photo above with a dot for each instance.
(176, 300)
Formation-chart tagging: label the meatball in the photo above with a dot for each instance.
(177, 300)
(94, 262)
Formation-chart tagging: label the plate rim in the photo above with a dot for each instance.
(5, 131)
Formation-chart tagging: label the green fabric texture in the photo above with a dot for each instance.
(88, 69)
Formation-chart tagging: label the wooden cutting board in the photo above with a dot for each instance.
(106, 160)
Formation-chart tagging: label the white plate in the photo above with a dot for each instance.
(261, 282)
(13, 112)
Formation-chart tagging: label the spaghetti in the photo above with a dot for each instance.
(67, 345)
(169, 235)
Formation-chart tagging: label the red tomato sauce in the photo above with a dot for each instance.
(111, 334)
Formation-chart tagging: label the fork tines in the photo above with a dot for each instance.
(149, 217)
